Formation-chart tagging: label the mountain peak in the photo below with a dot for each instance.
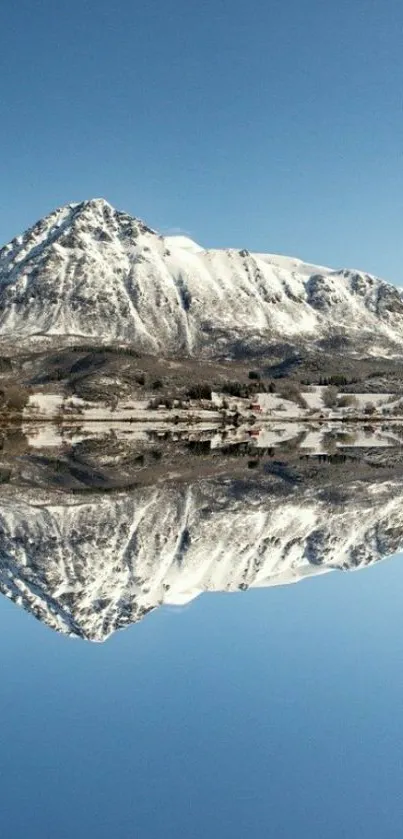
(97, 203)
(90, 270)
(92, 206)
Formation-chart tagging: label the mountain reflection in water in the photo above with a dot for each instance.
(104, 528)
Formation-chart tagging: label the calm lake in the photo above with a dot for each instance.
(201, 638)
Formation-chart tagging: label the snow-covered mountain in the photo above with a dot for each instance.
(88, 569)
(89, 270)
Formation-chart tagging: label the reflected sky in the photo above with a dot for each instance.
(269, 712)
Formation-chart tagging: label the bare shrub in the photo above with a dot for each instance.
(329, 396)
(369, 408)
(199, 391)
(346, 438)
(347, 401)
(15, 398)
(329, 442)
(234, 389)
(15, 443)
(292, 391)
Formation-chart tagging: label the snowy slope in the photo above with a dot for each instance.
(88, 569)
(89, 270)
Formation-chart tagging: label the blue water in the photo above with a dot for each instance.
(271, 712)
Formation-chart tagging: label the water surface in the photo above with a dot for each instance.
(204, 647)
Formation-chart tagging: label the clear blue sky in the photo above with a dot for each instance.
(270, 124)
(273, 713)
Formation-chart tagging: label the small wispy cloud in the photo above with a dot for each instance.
(176, 231)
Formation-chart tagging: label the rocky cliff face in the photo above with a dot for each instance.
(90, 271)
(90, 568)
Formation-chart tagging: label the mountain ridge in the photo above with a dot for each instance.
(88, 568)
(87, 270)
